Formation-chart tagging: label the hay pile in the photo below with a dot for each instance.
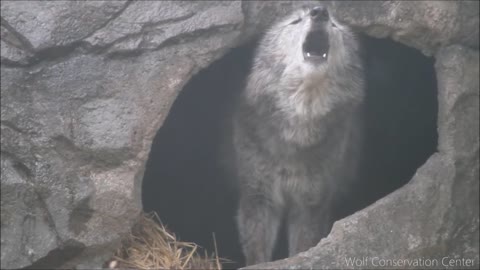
(151, 246)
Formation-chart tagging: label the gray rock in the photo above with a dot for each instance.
(76, 129)
(13, 49)
(45, 24)
(86, 85)
(87, 129)
(424, 25)
(22, 207)
(149, 25)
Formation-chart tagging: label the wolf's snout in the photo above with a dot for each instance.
(319, 13)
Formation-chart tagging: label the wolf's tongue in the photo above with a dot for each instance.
(316, 44)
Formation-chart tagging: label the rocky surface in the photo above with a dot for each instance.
(86, 85)
(424, 25)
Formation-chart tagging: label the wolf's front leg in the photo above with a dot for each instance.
(306, 226)
(258, 224)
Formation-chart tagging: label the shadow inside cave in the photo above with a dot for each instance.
(188, 190)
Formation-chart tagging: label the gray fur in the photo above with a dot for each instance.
(297, 135)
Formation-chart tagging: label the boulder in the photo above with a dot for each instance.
(86, 85)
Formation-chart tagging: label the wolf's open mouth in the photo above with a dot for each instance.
(316, 46)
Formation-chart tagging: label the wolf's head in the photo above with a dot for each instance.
(310, 40)
(305, 59)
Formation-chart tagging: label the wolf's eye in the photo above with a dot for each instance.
(296, 21)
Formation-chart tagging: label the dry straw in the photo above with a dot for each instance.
(151, 246)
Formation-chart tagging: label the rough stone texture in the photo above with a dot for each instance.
(85, 86)
(44, 24)
(424, 25)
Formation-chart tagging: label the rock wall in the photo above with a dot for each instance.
(86, 85)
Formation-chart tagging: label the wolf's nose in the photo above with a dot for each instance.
(319, 13)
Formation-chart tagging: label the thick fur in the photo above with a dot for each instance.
(297, 136)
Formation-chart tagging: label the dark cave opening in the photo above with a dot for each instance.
(185, 186)
(401, 126)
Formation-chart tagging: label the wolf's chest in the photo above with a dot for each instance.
(294, 182)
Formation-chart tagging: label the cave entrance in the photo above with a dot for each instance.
(183, 182)
(185, 186)
(401, 127)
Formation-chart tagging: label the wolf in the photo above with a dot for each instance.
(297, 131)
